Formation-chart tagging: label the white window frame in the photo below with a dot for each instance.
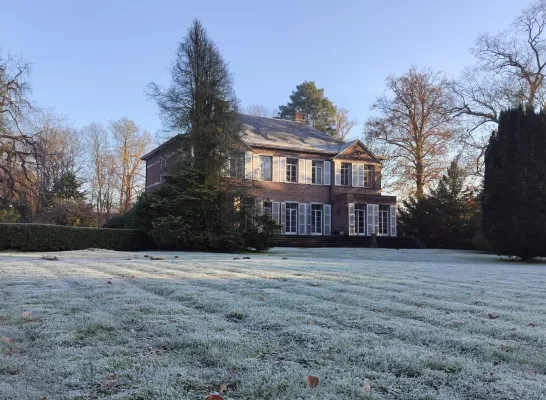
(360, 213)
(240, 170)
(321, 224)
(270, 158)
(317, 171)
(383, 220)
(296, 170)
(286, 219)
(348, 170)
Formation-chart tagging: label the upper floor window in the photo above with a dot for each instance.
(368, 176)
(237, 165)
(291, 170)
(316, 172)
(345, 174)
(265, 168)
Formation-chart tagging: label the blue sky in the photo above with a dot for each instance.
(92, 60)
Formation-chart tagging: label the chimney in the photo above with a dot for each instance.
(299, 117)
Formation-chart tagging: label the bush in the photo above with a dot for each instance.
(188, 213)
(42, 237)
(67, 213)
(122, 221)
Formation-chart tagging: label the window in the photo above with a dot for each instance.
(316, 219)
(291, 170)
(383, 220)
(360, 219)
(265, 168)
(237, 165)
(345, 174)
(291, 218)
(267, 208)
(162, 169)
(368, 176)
(316, 172)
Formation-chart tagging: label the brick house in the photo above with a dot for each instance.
(309, 182)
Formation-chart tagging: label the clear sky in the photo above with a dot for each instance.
(92, 60)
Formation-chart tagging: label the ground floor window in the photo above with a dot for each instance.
(291, 218)
(316, 219)
(384, 220)
(267, 208)
(360, 219)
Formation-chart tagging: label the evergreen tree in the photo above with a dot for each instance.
(319, 111)
(513, 206)
(446, 217)
(200, 102)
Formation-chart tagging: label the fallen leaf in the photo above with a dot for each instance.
(132, 277)
(312, 381)
(6, 352)
(491, 373)
(6, 339)
(109, 282)
(223, 388)
(25, 315)
(492, 316)
(261, 299)
(109, 381)
(532, 325)
(367, 387)
(420, 305)
(315, 284)
(214, 397)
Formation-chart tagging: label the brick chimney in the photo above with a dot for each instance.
(299, 117)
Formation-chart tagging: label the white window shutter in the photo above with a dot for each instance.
(275, 212)
(370, 219)
(354, 170)
(393, 220)
(259, 205)
(275, 172)
(327, 166)
(283, 217)
(308, 171)
(351, 209)
(301, 171)
(248, 165)
(308, 207)
(327, 220)
(302, 215)
(361, 175)
(337, 169)
(376, 217)
(225, 170)
(282, 169)
(256, 167)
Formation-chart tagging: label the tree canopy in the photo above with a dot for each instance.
(318, 110)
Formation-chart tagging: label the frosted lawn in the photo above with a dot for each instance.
(418, 324)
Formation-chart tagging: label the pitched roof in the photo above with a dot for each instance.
(283, 134)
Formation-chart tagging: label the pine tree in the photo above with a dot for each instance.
(513, 206)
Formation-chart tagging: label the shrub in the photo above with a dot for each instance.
(42, 237)
(122, 221)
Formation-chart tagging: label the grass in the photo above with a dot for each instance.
(418, 324)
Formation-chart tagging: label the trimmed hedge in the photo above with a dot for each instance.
(42, 237)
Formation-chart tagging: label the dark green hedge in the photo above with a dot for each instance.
(42, 237)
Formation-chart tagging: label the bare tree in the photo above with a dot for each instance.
(415, 127)
(342, 123)
(509, 72)
(259, 110)
(16, 145)
(131, 144)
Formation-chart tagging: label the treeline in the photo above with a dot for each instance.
(52, 172)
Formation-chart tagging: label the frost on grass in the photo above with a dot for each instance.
(379, 324)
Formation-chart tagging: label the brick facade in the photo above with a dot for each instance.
(334, 205)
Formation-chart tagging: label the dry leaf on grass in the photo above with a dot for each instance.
(132, 277)
(223, 388)
(312, 381)
(214, 397)
(6, 352)
(6, 340)
(261, 299)
(25, 315)
(109, 381)
(367, 387)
